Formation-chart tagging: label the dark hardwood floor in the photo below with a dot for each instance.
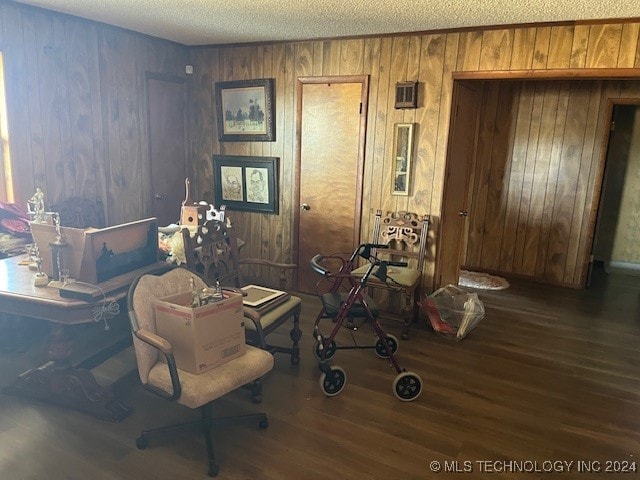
(549, 375)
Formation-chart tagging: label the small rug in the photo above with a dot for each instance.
(482, 281)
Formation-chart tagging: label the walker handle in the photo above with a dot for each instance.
(397, 264)
(376, 245)
(316, 267)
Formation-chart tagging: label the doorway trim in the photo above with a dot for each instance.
(364, 99)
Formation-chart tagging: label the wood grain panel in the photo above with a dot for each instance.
(61, 25)
(550, 92)
(47, 93)
(521, 52)
(129, 125)
(541, 48)
(560, 47)
(604, 46)
(281, 248)
(579, 46)
(536, 90)
(628, 45)
(481, 176)
(563, 208)
(351, 57)
(17, 98)
(501, 222)
(33, 104)
(586, 163)
(373, 68)
(508, 163)
(203, 123)
(82, 161)
(432, 61)
(449, 66)
(380, 129)
(318, 55)
(553, 178)
(496, 49)
(468, 52)
(331, 61)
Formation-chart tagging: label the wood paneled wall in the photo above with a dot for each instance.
(431, 59)
(76, 104)
(538, 155)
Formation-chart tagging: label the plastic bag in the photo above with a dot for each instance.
(453, 311)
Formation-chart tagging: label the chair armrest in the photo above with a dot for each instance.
(268, 263)
(165, 347)
(255, 317)
(155, 341)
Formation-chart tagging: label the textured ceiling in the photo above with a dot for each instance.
(205, 22)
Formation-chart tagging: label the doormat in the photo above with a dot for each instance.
(482, 281)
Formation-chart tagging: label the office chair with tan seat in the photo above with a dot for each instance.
(405, 236)
(213, 252)
(168, 381)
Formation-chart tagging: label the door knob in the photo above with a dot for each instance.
(463, 213)
(305, 206)
(157, 196)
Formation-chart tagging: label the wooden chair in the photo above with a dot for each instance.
(406, 236)
(213, 252)
(168, 381)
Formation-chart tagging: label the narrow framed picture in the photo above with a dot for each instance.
(401, 160)
(245, 110)
(246, 183)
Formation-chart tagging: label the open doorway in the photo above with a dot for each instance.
(535, 178)
(616, 248)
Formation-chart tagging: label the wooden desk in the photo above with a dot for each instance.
(57, 381)
(18, 295)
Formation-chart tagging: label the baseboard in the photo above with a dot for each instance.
(627, 268)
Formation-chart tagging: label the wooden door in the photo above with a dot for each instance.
(331, 126)
(167, 145)
(455, 207)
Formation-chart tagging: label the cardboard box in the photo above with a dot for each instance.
(204, 337)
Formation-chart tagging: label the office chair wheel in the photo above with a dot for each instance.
(263, 424)
(333, 383)
(381, 350)
(330, 350)
(407, 386)
(213, 469)
(142, 442)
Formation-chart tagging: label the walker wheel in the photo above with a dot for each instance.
(392, 343)
(333, 383)
(330, 350)
(407, 386)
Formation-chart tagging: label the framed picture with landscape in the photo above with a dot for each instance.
(245, 110)
(246, 183)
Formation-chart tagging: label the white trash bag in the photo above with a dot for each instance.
(453, 311)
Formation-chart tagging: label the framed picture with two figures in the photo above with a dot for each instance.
(246, 183)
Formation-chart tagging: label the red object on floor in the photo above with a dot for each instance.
(434, 316)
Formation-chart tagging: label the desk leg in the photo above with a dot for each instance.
(60, 383)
